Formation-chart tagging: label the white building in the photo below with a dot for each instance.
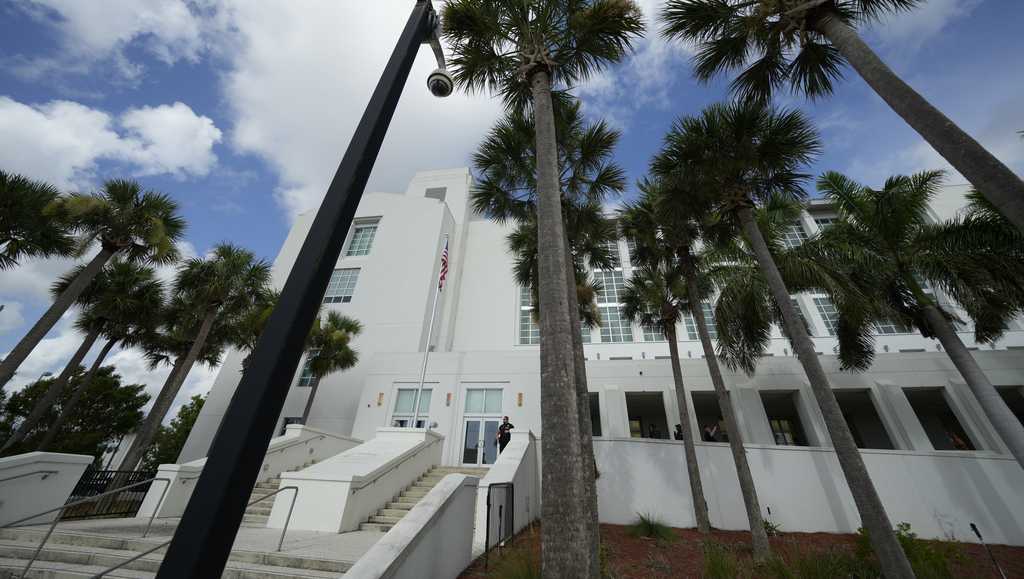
(905, 412)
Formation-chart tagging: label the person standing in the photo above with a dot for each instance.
(504, 434)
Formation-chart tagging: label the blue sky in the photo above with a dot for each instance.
(242, 109)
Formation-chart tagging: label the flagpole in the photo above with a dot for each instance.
(426, 350)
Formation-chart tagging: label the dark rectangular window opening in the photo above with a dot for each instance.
(595, 414)
(289, 420)
(436, 193)
(784, 418)
(1014, 397)
(710, 423)
(646, 411)
(940, 423)
(862, 417)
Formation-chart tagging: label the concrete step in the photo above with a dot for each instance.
(475, 471)
(55, 570)
(255, 519)
(399, 513)
(260, 509)
(423, 485)
(383, 528)
(404, 505)
(413, 496)
(74, 561)
(431, 479)
(384, 520)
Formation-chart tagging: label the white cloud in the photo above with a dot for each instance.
(93, 33)
(62, 141)
(297, 88)
(10, 316)
(910, 30)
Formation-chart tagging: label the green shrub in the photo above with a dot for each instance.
(649, 526)
(930, 559)
(720, 562)
(771, 528)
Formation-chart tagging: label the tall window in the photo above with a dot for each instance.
(825, 222)
(362, 239)
(613, 249)
(709, 318)
(529, 331)
(341, 286)
(794, 235)
(612, 286)
(614, 326)
(631, 246)
(652, 334)
(306, 378)
(483, 401)
(829, 314)
(405, 403)
(800, 312)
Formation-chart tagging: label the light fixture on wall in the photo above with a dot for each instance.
(380, 399)
(519, 399)
(448, 399)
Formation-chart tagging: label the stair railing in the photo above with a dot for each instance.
(168, 542)
(60, 510)
(395, 466)
(45, 473)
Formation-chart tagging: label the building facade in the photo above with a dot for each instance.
(484, 361)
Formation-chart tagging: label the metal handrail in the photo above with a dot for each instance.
(61, 508)
(296, 443)
(45, 474)
(398, 464)
(168, 542)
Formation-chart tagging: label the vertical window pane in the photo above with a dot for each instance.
(631, 247)
(529, 331)
(306, 378)
(709, 319)
(800, 312)
(824, 222)
(405, 401)
(612, 286)
(794, 235)
(829, 314)
(613, 249)
(475, 401)
(652, 334)
(362, 240)
(614, 326)
(492, 401)
(341, 286)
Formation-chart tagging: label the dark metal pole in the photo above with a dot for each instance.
(207, 530)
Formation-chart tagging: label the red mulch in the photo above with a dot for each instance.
(642, 558)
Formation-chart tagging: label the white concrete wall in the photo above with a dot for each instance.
(340, 493)
(37, 481)
(519, 464)
(434, 540)
(938, 493)
(298, 446)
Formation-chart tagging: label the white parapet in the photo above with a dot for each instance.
(298, 446)
(434, 540)
(518, 464)
(338, 494)
(33, 482)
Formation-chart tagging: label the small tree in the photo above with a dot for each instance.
(328, 350)
(169, 440)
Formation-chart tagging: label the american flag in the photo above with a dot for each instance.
(444, 267)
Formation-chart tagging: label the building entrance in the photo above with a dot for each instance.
(481, 416)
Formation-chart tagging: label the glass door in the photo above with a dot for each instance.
(480, 444)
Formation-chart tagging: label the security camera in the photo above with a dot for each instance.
(440, 83)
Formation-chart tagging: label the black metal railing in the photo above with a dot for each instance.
(501, 508)
(96, 482)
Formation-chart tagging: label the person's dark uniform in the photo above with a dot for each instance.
(504, 434)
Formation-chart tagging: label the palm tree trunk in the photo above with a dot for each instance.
(564, 537)
(144, 435)
(1009, 428)
(588, 474)
(64, 301)
(76, 396)
(700, 505)
(309, 401)
(758, 535)
(890, 555)
(989, 175)
(53, 392)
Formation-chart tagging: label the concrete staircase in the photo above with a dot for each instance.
(404, 502)
(256, 515)
(77, 555)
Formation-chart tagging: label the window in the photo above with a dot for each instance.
(860, 414)
(794, 235)
(939, 421)
(784, 418)
(709, 319)
(1014, 398)
(306, 378)
(614, 326)
(824, 222)
(829, 314)
(585, 332)
(800, 312)
(612, 286)
(889, 328)
(405, 403)
(709, 414)
(646, 412)
(652, 334)
(595, 414)
(483, 401)
(436, 193)
(362, 240)
(341, 286)
(529, 331)
(631, 246)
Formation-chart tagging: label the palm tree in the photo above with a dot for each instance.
(507, 191)
(328, 350)
(744, 153)
(129, 316)
(806, 44)
(667, 235)
(122, 296)
(210, 294)
(250, 325)
(134, 225)
(894, 253)
(30, 224)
